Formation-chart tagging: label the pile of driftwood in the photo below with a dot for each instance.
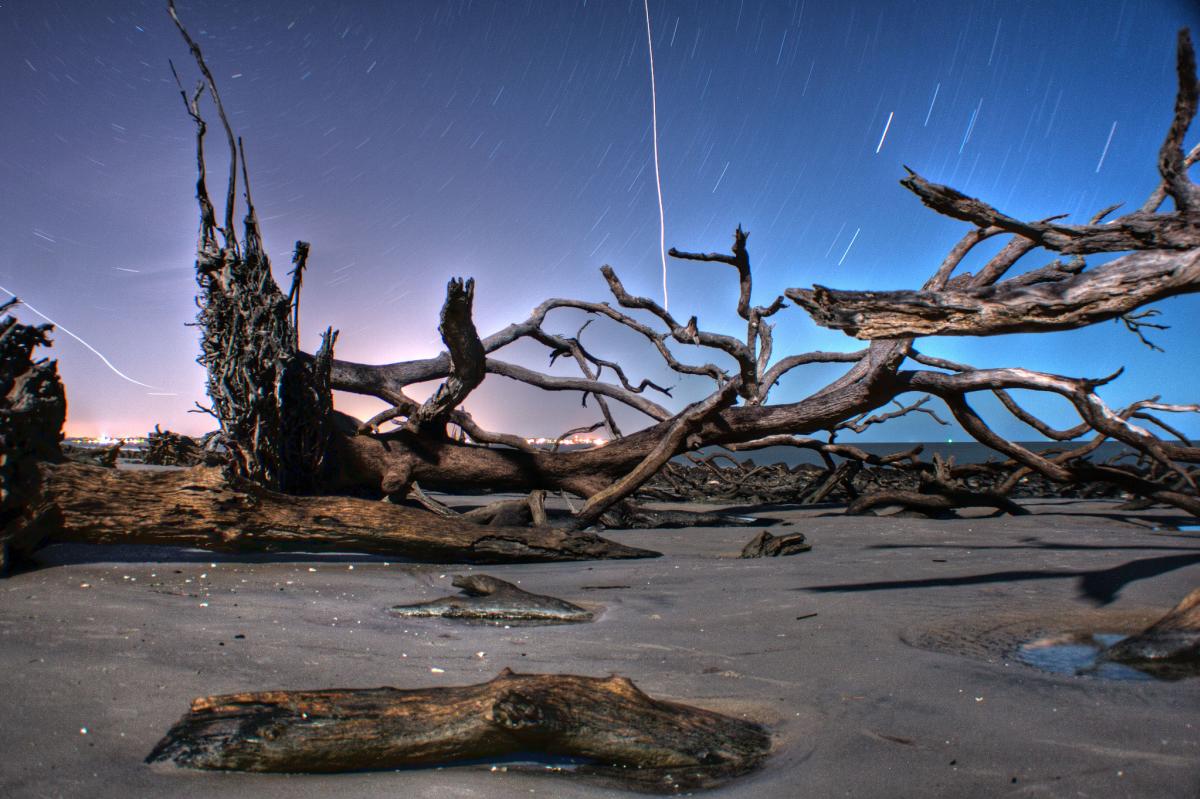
(900, 480)
(166, 448)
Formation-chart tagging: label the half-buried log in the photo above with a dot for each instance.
(619, 732)
(198, 508)
(766, 545)
(1169, 648)
(487, 598)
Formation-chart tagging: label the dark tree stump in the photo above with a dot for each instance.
(487, 598)
(625, 735)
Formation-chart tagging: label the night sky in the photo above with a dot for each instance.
(511, 141)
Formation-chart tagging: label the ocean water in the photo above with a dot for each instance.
(961, 451)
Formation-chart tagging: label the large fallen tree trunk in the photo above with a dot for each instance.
(198, 508)
(619, 731)
(438, 444)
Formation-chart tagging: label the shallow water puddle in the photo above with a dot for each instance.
(1078, 655)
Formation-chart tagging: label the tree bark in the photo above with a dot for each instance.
(198, 508)
(646, 742)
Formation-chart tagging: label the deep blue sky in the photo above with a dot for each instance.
(510, 140)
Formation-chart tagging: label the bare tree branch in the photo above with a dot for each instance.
(466, 355)
(1170, 158)
(1107, 292)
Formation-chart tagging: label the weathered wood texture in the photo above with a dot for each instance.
(198, 508)
(487, 598)
(625, 734)
(1170, 647)
(33, 408)
(1098, 295)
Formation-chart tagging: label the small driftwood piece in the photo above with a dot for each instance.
(623, 733)
(488, 598)
(198, 508)
(1170, 647)
(766, 545)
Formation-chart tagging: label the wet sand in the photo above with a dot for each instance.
(902, 683)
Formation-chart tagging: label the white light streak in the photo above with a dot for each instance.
(835, 240)
(1103, 154)
(995, 39)
(929, 113)
(662, 224)
(970, 126)
(848, 246)
(723, 171)
(885, 130)
(95, 351)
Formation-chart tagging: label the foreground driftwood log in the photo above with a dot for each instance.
(487, 598)
(198, 507)
(620, 732)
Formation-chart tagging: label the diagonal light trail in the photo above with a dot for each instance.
(94, 351)
(662, 227)
(1100, 163)
(886, 128)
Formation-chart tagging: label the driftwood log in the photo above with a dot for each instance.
(620, 732)
(487, 598)
(766, 545)
(1169, 648)
(198, 508)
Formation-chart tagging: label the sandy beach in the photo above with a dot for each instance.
(882, 661)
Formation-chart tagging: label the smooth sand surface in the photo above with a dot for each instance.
(902, 684)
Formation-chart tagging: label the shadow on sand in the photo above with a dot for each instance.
(1101, 586)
